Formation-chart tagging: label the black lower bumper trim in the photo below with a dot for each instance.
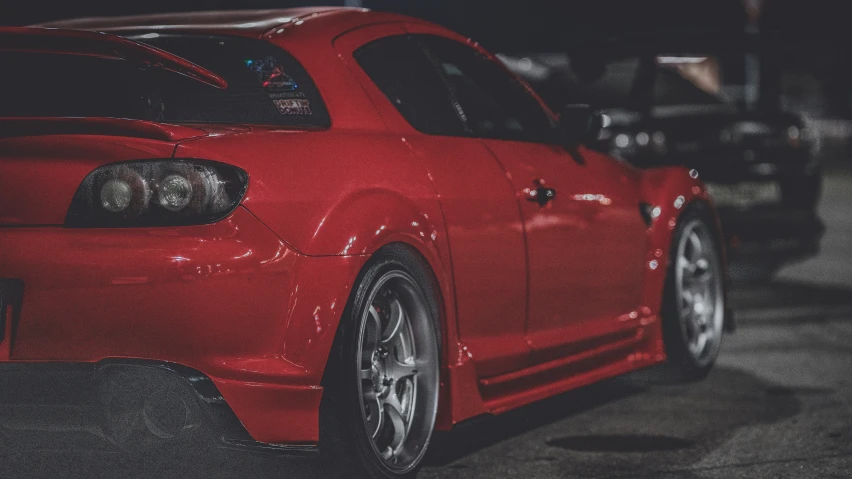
(170, 400)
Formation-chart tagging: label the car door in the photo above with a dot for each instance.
(586, 238)
(483, 222)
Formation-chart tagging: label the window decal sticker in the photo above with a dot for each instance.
(271, 74)
(293, 106)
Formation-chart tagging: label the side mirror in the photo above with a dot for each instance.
(579, 124)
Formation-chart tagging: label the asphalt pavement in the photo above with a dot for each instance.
(778, 404)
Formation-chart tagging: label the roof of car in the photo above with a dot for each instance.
(252, 23)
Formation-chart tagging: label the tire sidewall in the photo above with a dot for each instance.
(675, 344)
(341, 381)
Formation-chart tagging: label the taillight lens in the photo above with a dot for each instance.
(157, 193)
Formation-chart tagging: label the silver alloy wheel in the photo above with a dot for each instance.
(398, 370)
(699, 293)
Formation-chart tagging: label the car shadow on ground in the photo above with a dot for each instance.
(481, 432)
(633, 426)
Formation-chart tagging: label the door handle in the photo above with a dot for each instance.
(539, 193)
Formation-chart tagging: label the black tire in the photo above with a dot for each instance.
(346, 447)
(683, 364)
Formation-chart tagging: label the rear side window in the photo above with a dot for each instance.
(494, 102)
(412, 84)
(265, 85)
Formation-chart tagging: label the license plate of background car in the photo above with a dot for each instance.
(741, 195)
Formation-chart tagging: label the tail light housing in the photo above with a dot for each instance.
(171, 192)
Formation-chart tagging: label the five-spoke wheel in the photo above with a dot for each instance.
(699, 288)
(389, 370)
(694, 307)
(390, 360)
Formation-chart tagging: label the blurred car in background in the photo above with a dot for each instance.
(676, 109)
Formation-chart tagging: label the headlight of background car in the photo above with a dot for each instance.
(730, 136)
(157, 193)
(657, 142)
(795, 136)
(622, 145)
(628, 144)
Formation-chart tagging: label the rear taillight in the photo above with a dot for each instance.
(157, 193)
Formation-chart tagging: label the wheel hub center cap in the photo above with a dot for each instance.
(382, 382)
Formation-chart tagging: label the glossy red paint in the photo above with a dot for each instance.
(105, 293)
(536, 299)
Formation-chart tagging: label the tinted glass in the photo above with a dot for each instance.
(39, 85)
(412, 84)
(672, 89)
(494, 103)
(265, 85)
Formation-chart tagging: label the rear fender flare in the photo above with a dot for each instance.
(363, 223)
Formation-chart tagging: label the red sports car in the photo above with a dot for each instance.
(325, 229)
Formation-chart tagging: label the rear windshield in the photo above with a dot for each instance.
(266, 85)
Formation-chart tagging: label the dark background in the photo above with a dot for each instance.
(778, 403)
(807, 38)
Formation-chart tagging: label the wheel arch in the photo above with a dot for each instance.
(421, 254)
(669, 192)
(444, 298)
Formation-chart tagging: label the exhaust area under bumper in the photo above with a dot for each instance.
(139, 406)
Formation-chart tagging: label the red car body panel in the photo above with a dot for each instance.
(94, 294)
(531, 307)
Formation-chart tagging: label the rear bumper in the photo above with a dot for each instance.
(771, 235)
(230, 300)
(139, 406)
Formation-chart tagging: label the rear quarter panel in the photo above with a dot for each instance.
(341, 193)
(332, 193)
